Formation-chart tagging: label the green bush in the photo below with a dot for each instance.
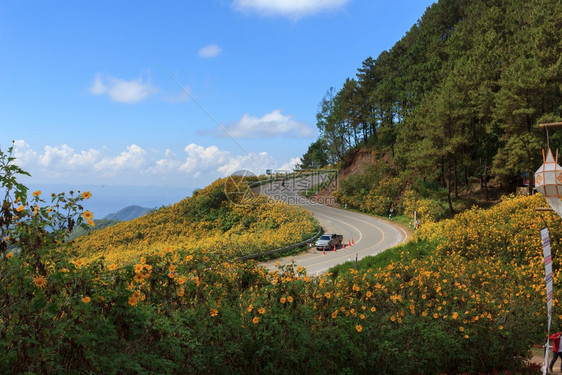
(410, 310)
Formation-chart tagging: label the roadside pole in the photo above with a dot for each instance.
(548, 182)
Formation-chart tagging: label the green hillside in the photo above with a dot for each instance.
(467, 296)
(128, 213)
(451, 110)
(216, 219)
(452, 107)
(99, 224)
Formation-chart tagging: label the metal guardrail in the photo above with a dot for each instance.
(283, 249)
(286, 248)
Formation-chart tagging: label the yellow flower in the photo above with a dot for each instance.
(86, 299)
(88, 215)
(90, 223)
(261, 310)
(290, 299)
(40, 281)
(133, 300)
(250, 308)
(214, 312)
(461, 329)
(36, 193)
(335, 314)
(9, 255)
(20, 208)
(112, 267)
(255, 320)
(359, 328)
(282, 300)
(86, 195)
(373, 309)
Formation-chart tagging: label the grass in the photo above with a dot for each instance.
(402, 253)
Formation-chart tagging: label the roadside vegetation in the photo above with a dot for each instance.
(164, 294)
(441, 304)
(451, 111)
(219, 219)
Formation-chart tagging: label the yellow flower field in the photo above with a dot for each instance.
(208, 220)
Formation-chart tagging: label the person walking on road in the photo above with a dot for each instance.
(555, 349)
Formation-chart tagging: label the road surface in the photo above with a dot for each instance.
(370, 235)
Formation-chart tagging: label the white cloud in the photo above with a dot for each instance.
(211, 50)
(23, 153)
(98, 88)
(84, 158)
(270, 125)
(135, 166)
(65, 155)
(256, 163)
(55, 154)
(120, 90)
(200, 157)
(133, 159)
(291, 164)
(288, 8)
(168, 164)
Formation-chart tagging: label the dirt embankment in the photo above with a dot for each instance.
(354, 163)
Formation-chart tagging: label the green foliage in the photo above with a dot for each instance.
(224, 217)
(375, 190)
(413, 250)
(425, 206)
(456, 101)
(29, 224)
(177, 311)
(82, 231)
(316, 156)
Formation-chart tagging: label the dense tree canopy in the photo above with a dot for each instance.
(459, 97)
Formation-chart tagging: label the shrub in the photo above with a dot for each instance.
(439, 305)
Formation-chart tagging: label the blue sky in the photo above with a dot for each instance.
(95, 92)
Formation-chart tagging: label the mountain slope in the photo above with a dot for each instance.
(128, 213)
(215, 219)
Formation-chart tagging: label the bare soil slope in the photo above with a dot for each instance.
(353, 164)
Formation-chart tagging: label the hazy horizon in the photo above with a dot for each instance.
(108, 199)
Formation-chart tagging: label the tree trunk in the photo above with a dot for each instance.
(449, 199)
(486, 181)
(456, 178)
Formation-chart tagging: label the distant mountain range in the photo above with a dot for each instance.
(128, 213)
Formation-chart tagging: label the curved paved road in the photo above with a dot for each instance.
(371, 235)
